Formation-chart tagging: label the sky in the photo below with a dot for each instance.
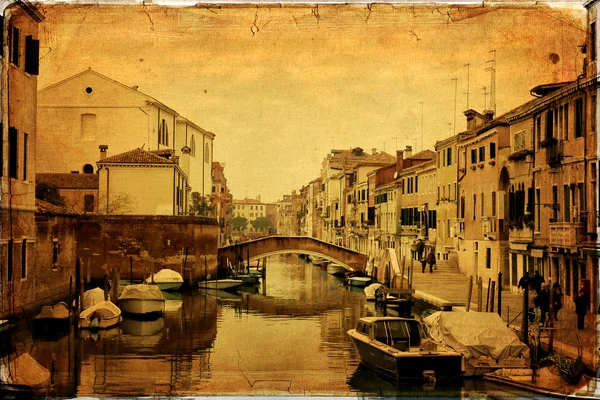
(281, 85)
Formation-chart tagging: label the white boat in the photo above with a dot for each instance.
(483, 339)
(400, 348)
(371, 289)
(102, 315)
(92, 297)
(336, 269)
(220, 284)
(167, 279)
(142, 299)
(358, 281)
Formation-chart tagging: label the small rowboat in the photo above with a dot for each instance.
(220, 284)
(167, 279)
(100, 316)
(358, 281)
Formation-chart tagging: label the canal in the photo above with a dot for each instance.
(287, 336)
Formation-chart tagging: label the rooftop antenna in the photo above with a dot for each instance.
(492, 69)
(467, 93)
(421, 103)
(455, 86)
(485, 92)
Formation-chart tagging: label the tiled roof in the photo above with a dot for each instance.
(69, 181)
(248, 201)
(43, 207)
(423, 155)
(136, 156)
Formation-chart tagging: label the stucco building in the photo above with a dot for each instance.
(87, 110)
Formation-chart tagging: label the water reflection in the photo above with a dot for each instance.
(285, 336)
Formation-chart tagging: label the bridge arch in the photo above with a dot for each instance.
(274, 245)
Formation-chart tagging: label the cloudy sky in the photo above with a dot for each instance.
(282, 85)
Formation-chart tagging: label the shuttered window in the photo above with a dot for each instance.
(32, 55)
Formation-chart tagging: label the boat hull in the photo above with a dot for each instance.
(105, 323)
(169, 286)
(142, 306)
(406, 364)
(224, 284)
(359, 282)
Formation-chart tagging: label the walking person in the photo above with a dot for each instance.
(524, 282)
(543, 302)
(423, 265)
(581, 307)
(537, 280)
(531, 303)
(431, 260)
(558, 299)
(420, 249)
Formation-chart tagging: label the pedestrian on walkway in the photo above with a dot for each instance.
(558, 299)
(423, 265)
(531, 303)
(431, 260)
(536, 281)
(581, 307)
(420, 249)
(524, 281)
(543, 302)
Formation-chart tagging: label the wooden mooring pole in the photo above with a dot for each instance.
(492, 290)
(469, 293)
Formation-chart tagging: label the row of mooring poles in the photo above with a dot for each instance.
(490, 296)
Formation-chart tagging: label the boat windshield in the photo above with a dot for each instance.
(405, 331)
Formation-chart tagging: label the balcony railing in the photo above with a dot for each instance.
(458, 225)
(566, 234)
(489, 225)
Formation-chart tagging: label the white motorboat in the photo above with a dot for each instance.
(371, 290)
(102, 315)
(167, 279)
(400, 348)
(142, 299)
(220, 284)
(336, 269)
(483, 339)
(358, 281)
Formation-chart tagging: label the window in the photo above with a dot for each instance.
(579, 122)
(538, 130)
(88, 127)
(55, 247)
(449, 156)
(24, 259)
(88, 203)
(567, 203)
(482, 154)
(10, 261)
(25, 140)
(537, 209)
(14, 52)
(566, 121)
(12, 152)
(473, 156)
(488, 257)
(206, 153)
(163, 135)
(554, 203)
(493, 204)
(416, 184)
(193, 146)
(593, 40)
(549, 125)
(482, 206)
(474, 206)
(32, 55)
(493, 150)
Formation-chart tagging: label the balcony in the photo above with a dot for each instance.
(458, 225)
(408, 230)
(566, 234)
(489, 226)
(554, 154)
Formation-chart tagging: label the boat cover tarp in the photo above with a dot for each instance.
(476, 334)
(58, 311)
(106, 309)
(92, 296)
(370, 290)
(142, 291)
(22, 370)
(166, 276)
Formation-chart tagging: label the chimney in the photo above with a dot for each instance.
(103, 149)
(488, 115)
(408, 152)
(399, 160)
(374, 151)
(474, 119)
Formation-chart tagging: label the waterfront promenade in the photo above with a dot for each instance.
(447, 284)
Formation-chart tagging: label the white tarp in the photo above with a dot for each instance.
(142, 291)
(106, 309)
(476, 334)
(370, 290)
(22, 370)
(92, 297)
(166, 276)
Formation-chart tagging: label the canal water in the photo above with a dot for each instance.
(284, 337)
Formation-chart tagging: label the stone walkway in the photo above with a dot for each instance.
(448, 284)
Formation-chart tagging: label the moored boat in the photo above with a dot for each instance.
(92, 297)
(167, 279)
(336, 269)
(142, 299)
(371, 290)
(358, 281)
(53, 320)
(220, 284)
(483, 339)
(23, 374)
(400, 348)
(102, 315)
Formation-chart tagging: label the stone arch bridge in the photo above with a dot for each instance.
(273, 245)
